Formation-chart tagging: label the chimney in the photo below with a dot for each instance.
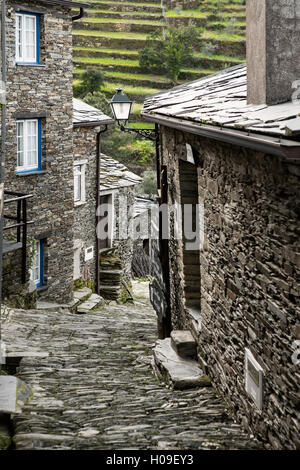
(273, 50)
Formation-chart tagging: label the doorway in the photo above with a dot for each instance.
(188, 179)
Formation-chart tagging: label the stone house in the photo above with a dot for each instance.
(52, 160)
(117, 203)
(87, 160)
(39, 137)
(230, 150)
(116, 198)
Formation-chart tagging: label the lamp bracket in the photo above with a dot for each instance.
(150, 134)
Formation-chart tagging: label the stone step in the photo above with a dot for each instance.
(184, 344)
(82, 294)
(179, 372)
(94, 301)
(14, 394)
(114, 282)
(57, 307)
(108, 272)
(110, 292)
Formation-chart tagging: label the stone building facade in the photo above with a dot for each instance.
(245, 279)
(117, 185)
(87, 161)
(116, 198)
(237, 288)
(39, 127)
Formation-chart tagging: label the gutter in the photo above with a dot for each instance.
(79, 16)
(93, 123)
(288, 150)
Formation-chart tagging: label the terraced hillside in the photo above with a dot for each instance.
(112, 33)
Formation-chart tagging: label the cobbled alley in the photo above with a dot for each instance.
(96, 388)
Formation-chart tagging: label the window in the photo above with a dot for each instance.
(79, 181)
(37, 269)
(253, 378)
(29, 141)
(27, 38)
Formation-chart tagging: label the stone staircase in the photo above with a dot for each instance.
(175, 361)
(88, 300)
(112, 33)
(84, 301)
(111, 271)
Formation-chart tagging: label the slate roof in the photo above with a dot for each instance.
(115, 175)
(86, 115)
(67, 3)
(221, 100)
(142, 205)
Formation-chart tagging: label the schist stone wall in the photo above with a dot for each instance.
(187, 4)
(45, 91)
(15, 293)
(85, 145)
(249, 263)
(123, 223)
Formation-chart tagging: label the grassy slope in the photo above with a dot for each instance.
(115, 49)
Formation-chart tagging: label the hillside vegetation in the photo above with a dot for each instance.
(112, 33)
(110, 37)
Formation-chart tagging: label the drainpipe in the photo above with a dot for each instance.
(79, 16)
(98, 160)
(3, 138)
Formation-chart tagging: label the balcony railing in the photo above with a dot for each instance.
(19, 216)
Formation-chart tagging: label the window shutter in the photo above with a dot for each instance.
(77, 183)
(20, 142)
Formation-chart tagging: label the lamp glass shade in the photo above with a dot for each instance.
(121, 106)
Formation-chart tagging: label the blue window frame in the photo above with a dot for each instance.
(27, 38)
(29, 145)
(37, 269)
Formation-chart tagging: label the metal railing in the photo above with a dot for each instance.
(20, 224)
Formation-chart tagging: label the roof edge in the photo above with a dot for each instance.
(289, 150)
(93, 123)
(67, 3)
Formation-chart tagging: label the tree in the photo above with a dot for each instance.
(91, 81)
(168, 55)
(149, 186)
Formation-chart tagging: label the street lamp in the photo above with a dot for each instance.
(121, 107)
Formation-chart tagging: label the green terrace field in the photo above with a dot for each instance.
(112, 33)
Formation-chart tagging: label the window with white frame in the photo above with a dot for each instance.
(28, 145)
(37, 268)
(79, 181)
(27, 38)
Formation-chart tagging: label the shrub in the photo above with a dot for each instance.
(140, 151)
(99, 100)
(149, 186)
(91, 81)
(169, 54)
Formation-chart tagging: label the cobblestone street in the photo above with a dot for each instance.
(97, 390)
